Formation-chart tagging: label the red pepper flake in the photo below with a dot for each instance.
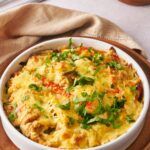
(56, 88)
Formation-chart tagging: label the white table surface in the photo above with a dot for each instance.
(132, 19)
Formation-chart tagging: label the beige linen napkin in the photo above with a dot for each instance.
(23, 27)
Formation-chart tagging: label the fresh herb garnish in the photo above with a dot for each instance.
(90, 49)
(100, 109)
(85, 126)
(133, 88)
(86, 117)
(63, 55)
(65, 106)
(70, 42)
(98, 96)
(112, 119)
(69, 88)
(71, 120)
(80, 108)
(84, 121)
(85, 97)
(116, 124)
(115, 65)
(12, 117)
(26, 97)
(81, 45)
(84, 94)
(129, 118)
(119, 103)
(75, 57)
(38, 106)
(47, 61)
(79, 99)
(83, 81)
(35, 87)
(101, 95)
(15, 104)
(97, 58)
(38, 76)
(97, 70)
(113, 111)
(99, 120)
(113, 115)
(55, 56)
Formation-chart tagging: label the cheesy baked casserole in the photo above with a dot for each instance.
(75, 97)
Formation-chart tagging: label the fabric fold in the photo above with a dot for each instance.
(24, 26)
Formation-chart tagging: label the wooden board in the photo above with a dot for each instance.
(143, 140)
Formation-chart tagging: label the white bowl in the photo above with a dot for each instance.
(120, 143)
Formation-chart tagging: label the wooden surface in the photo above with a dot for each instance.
(136, 2)
(143, 140)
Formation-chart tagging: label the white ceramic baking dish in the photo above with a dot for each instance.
(121, 143)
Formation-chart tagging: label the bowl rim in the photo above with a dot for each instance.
(116, 140)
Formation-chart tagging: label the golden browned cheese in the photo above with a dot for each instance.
(75, 97)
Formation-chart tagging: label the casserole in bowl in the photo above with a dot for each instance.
(85, 80)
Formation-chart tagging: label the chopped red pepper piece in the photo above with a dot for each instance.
(82, 49)
(116, 57)
(91, 106)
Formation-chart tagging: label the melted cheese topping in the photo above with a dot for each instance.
(74, 98)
